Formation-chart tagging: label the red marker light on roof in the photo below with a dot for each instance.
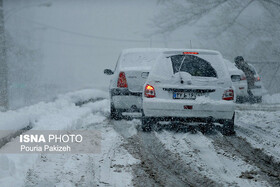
(190, 53)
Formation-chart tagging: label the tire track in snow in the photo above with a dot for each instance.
(259, 138)
(269, 169)
(163, 166)
(198, 150)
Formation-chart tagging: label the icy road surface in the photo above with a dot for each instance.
(131, 157)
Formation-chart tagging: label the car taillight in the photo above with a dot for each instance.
(257, 79)
(228, 95)
(243, 77)
(122, 83)
(149, 91)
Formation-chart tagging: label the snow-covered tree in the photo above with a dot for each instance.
(235, 27)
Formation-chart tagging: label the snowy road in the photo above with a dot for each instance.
(130, 157)
(184, 159)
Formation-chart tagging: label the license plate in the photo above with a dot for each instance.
(184, 95)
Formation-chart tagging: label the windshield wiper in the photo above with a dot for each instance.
(182, 81)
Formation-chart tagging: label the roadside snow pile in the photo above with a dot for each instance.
(112, 167)
(70, 116)
(31, 115)
(272, 99)
(17, 169)
(83, 95)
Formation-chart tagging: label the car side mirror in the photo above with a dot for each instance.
(235, 78)
(108, 72)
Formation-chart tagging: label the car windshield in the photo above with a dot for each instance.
(193, 65)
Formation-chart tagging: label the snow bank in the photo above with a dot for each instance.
(112, 166)
(18, 119)
(61, 114)
(83, 95)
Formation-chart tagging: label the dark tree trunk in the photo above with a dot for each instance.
(3, 63)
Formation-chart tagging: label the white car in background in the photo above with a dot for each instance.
(128, 78)
(189, 86)
(239, 81)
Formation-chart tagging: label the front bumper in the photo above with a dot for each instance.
(162, 108)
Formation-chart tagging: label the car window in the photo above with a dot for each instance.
(193, 65)
(235, 78)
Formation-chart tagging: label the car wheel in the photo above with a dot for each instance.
(147, 124)
(115, 113)
(228, 127)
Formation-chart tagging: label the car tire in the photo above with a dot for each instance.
(228, 127)
(115, 113)
(147, 124)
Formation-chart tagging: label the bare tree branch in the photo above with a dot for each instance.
(272, 2)
(233, 26)
(177, 14)
(234, 19)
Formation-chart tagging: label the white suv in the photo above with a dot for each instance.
(189, 86)
(239, 81)
(128, 78)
